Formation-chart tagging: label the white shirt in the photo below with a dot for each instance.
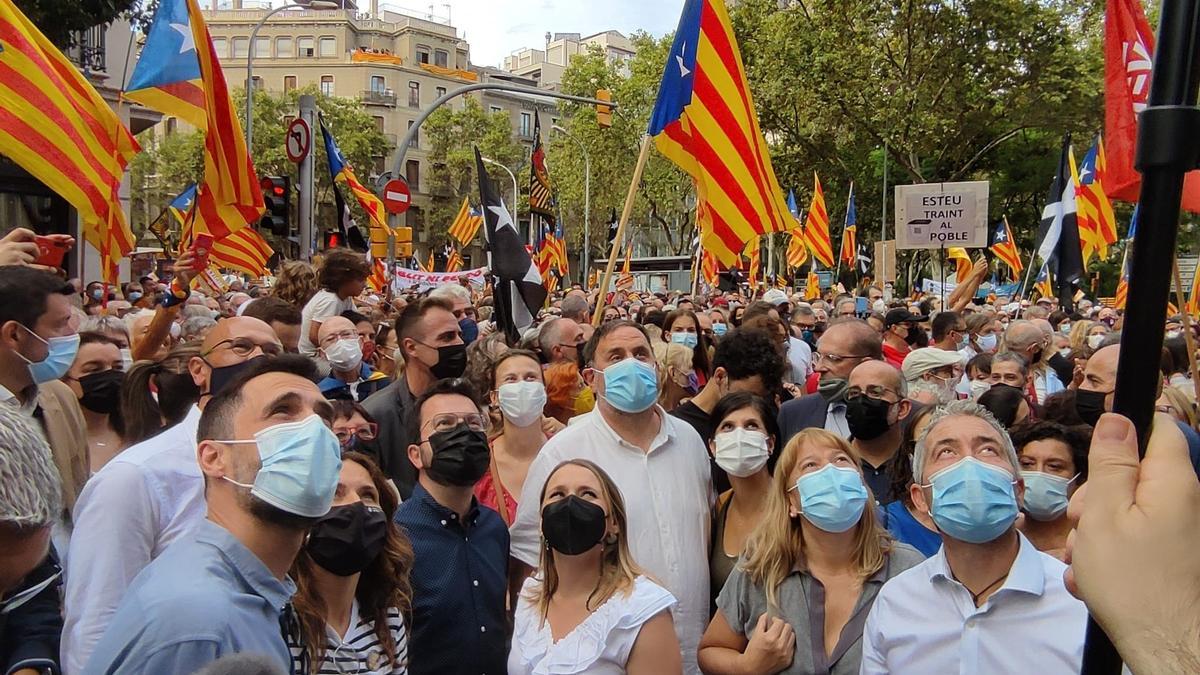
(924, 621)
(835, 420)
(800, 359)
(128, 513)
(668, 501)
(320, 307)
(599, 645)
(26, 408)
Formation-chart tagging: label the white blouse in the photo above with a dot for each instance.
(600, 644)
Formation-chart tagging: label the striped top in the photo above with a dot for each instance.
(359, 652)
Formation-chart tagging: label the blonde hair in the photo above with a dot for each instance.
(618, 571)
(1079, 334)
(776, 546)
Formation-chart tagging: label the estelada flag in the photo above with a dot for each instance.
(960, 254)
(1128, 57)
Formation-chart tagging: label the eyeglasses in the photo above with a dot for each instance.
(246, 347)
(367, 433)
(447, 421)
(874, 391)
(343, 335)
(836, 359)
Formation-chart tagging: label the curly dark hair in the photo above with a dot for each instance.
(746, 352)
(383, 585)
(1077, 438)
(341, 265)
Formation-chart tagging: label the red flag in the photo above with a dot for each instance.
(1128, 56)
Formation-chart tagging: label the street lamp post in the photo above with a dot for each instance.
(313, 4)
(516, 194)
(587, 195)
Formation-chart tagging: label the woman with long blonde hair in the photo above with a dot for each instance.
(588, 607)
(798, 599)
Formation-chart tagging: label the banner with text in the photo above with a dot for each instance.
(407, 280)
(941, 215)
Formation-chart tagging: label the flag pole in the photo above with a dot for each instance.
(619, 237)
(1187, 328)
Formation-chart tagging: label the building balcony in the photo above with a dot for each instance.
(88, 49)
(379, 97)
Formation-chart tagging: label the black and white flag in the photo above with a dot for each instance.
(1058, 234)
(516, 284)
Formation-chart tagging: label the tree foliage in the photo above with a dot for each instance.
(58, 19)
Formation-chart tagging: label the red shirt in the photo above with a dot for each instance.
(895, 356)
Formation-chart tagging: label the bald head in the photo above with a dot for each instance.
(1021, 334)
(878, 372)
(1044, 326)
(334, 325)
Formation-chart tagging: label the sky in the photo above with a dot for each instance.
(496, 28)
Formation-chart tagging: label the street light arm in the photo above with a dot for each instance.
(316, 4)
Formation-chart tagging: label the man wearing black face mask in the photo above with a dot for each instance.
(148, 495)
(901, 333)
(460, 549)
(876, 411)
(431, 340)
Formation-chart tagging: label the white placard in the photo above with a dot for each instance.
(936, 215)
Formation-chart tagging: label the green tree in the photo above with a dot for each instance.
(452, 136)
(58, 19)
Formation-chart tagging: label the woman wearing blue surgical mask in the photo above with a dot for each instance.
(682, 327)
(1053, 461)
(810, 572)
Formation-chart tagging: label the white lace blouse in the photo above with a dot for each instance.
(600, 644)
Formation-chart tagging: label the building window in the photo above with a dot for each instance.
(256, 83)
(221, 47)
(241, 47)
(495, 109)
(441, 58)
(283, 48)
(422, 54)
(412, 174)
(328, 47)
(379, 123)
(307, 46)
(171, 123)
(378, 84)
(262, 48)
(289, 83)
(441, 91)
(327, 85)
(526, 128)
(414, 94)
(416, 137)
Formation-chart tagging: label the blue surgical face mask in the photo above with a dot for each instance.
(61, 355)
(97, 294)
(719, 328)
(134, 296)
(1065, 328)
(832, 498)
(301, 462)
(987, 343)
(630, 386)
(1045, 495)
(973, 501)
(685, 339)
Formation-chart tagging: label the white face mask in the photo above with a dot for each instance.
(522, 402)
(126, 359)
(741, 452)
(978, 387)
(1095, 340)
(344, 354)
(987, 343)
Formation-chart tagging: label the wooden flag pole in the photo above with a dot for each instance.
(619, 237)
(1187, 329)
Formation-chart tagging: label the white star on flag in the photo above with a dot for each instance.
(189, 43)
(504, 219)
(683, 71)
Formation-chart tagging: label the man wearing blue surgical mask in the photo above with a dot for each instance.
(271, 466)
(657, 461)
(149, 495)
(988, 588)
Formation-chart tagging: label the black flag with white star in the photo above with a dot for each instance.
(516, 284)
(613, 225)
(352, 235)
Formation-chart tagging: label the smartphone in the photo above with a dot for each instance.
(861, 306)
(201, 245)
(50, 251)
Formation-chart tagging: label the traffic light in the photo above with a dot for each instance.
(333, 239)
(277, 197)
(603, 112)
(403, 242)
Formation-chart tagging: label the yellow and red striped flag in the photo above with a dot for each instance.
(179, 74)
(1090, 241)
(340, 171)
(430, 266)
(466, 224)
(816, 226)
(1094, 214)
(56, 126)
(754, 252)
(244, 251)
(797, 252)
(705, 122)
(708, 268)
(378, 279)
(625, 281)
(1005, 247)
(849, 254)
(780, 281)
(454, 261)
(1122, 293)
(812, 287)
(964, 262)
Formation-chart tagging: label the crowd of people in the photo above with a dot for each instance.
(298, 474)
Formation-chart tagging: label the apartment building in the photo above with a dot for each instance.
(395, 63)
(546, 66)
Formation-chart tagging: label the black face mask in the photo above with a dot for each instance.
(867, 417)
(102, 391)
(348, 539)
(452, 361)
(1089, 405)
(225, 374)
(913, 336)
(572, 526)
(460, 456)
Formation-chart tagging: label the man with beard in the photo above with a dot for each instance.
(271, 466)
(900, 334)
(876, 409)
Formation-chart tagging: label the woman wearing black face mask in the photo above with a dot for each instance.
(588, 607)
(353, 598)
(96, 377)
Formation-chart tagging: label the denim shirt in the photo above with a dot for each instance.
(205, 597)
